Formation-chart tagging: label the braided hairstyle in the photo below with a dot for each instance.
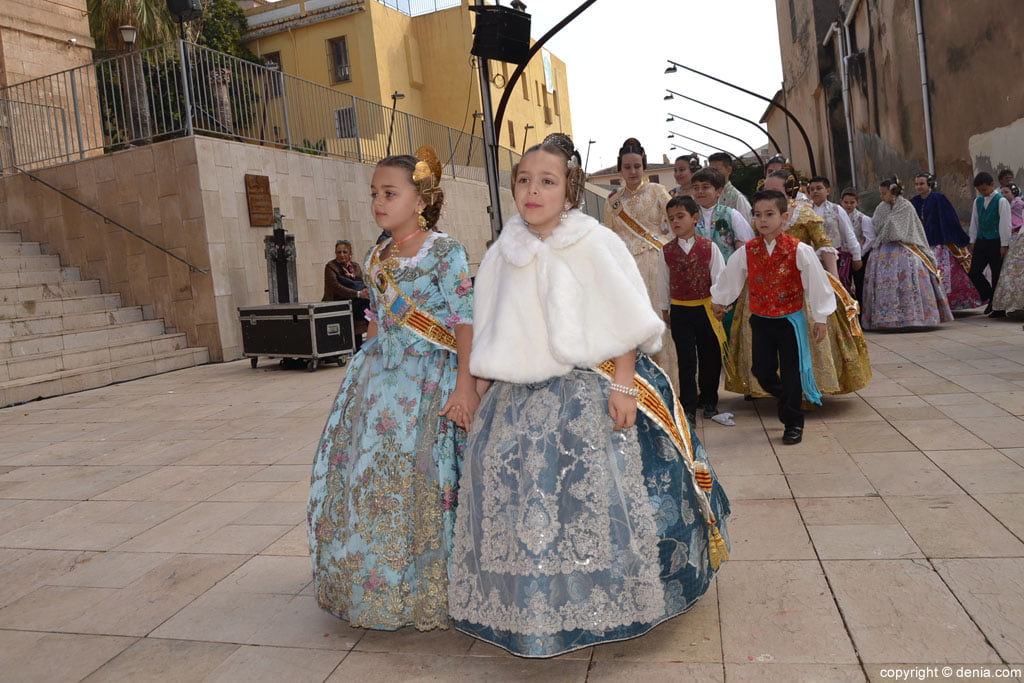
(928, 178)
(790, 180)
(893, 184)
(561, 145)
(426, 180)
(632, 146)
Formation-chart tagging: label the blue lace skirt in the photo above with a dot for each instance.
(568, 533)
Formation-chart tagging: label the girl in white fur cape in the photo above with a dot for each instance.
(588, 511)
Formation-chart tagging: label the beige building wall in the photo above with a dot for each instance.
(189, 196)
(35, 38)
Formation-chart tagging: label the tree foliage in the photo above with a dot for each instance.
(221, 28)
(151, 17)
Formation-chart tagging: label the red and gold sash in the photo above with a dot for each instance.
(403, 310)
(672, 423)
(916, 251)
(961, 254)
(619, 210)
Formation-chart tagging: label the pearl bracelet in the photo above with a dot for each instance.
(628, 391)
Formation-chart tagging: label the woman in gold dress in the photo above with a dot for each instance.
(840, 367)
(636, 213)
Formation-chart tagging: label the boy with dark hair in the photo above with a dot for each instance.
(1005, 178)
(721, 224)
(863, 229)
(838, 228)
(779, 271)
(990, 237)
(690, 265)
(731, 197)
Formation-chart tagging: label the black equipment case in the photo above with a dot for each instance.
(314, 332)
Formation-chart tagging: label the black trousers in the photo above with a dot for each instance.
(775, 351)
(986, 253)
(858, 279)
(699, 355)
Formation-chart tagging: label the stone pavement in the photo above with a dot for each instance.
(154, 530)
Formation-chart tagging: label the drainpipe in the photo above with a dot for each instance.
(841, 37)
(924, 87)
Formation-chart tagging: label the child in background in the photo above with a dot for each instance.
(721, 224)
(779, 270)
(864, 231)
(990, 238)
(691, 264)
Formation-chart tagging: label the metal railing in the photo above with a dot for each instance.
(180, 89)
(415, 8)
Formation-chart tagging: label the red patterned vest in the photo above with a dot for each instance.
(689, 275)
(773, 279)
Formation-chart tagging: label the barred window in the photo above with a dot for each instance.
(345, 123)
(337, 50)
(272, 60)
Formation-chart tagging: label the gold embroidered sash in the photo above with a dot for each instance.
(404, 311)
(916, 251)
(850, 306)
(672, 423)
(961, 254)
(619, 210)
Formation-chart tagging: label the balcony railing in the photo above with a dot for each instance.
(180, 89)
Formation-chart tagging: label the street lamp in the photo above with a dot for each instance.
(129, 34)
(526, 129)
(686, 149)
(672, 117)
(395, 96)
(807, 143)
(672, 94)
(672, 134)
(587, 162)
(472, 133)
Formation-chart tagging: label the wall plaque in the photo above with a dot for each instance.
(257, 194)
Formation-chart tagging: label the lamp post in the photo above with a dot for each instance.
(136, 105)
(395, 96)
(674, 66)
(472, 133)
(686, 149)
(672, 94)
(587, 162)
(526, 129)
(672, 134)
(672, 117)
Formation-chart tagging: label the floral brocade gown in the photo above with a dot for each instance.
(382, 492)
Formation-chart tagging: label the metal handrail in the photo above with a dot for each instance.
(108, 219)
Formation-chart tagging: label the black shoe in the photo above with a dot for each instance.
(748, 397)
(793, 435)
(988, 309)
(997, 314)
(710, 411)
(692, 417)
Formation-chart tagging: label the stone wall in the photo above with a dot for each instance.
(189, 196)
(36, 35)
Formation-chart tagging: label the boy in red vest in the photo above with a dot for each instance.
(779, 272)
(689, 265)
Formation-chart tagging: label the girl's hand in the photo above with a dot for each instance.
(461, 406)
(820, 332)
(622, 409)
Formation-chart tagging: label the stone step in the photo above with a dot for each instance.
(15, 263)
(15, 249)
(66, 306)
(93, 376)
(81, 339)
(38, 277)
(20, 367)
(72, 322)
(8, 236)
(48, 291)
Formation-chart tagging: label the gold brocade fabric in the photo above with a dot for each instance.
(647, 207)
(841, 367)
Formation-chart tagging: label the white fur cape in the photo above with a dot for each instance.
(542, 308)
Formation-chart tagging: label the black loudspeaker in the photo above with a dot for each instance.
(185, 10)
(501, 33)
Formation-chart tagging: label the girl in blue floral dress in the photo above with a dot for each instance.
(588, 511)
(382, 494)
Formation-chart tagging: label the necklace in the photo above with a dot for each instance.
(634, 193)
(391, 262)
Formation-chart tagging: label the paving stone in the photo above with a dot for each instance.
(992, 592)
(756, 672)
(768, 530)
(900, 611)
(616, 671)
(250, 664)
(33, 656)
(388, 667)
(781, 612)
(862, 541)
(833, 511)
(154, 659)
(905, 473)
(953, 526)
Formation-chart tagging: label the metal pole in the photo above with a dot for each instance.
(391, 128)
(789, 141)
(782, 108)
(78, 115)
(729, 113)
(186, 85)
(490, 144)
(728, 135)
(706, 144)
(925, 97)
(451, 149)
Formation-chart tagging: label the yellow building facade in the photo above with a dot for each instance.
(370, 50)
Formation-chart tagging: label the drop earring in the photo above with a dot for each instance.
(565, 212)
(421, 221)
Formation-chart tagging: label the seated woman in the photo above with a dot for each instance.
(343, 281)
(901, 286)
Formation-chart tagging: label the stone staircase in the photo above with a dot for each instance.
(60, 334)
